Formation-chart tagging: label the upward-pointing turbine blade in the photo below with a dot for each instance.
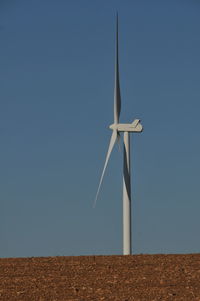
(117, 96)
(113, 140)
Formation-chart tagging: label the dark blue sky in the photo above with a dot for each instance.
(56, 102)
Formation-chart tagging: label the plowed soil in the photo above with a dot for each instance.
(123, 278)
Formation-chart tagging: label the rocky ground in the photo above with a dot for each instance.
(123, 278)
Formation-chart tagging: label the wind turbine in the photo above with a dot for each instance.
(126, 128)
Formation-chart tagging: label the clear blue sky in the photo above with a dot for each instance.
(56, 102)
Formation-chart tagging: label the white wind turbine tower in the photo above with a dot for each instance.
(126, 128)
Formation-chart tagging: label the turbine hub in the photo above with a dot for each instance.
(113, 126)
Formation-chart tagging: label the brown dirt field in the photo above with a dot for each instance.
(124, 278)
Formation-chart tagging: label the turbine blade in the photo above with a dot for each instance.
(113, 140)
(117, 96)
(118, 141)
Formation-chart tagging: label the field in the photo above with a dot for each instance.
(123, 278)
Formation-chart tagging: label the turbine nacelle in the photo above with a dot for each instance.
(135, 126)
